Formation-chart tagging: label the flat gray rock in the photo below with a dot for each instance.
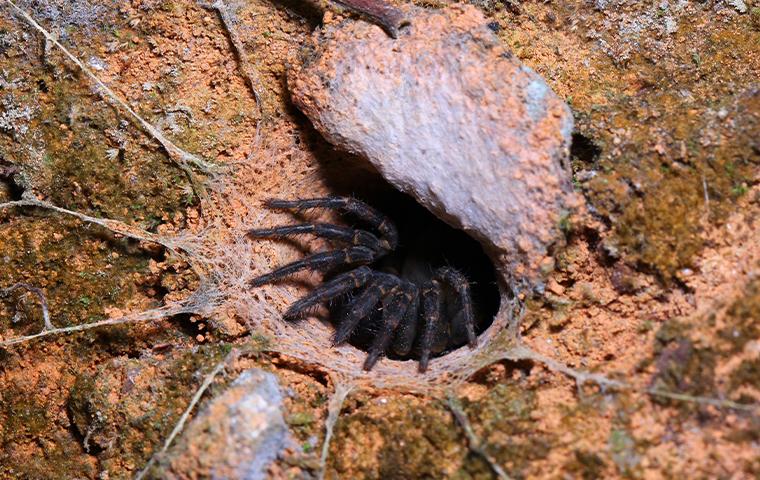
(236, 436)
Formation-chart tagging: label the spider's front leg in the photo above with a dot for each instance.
(323, 261)
(367, 247)
(329, 290)
(324, 230)
(352, 206)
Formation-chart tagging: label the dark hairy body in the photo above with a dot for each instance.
(394, 298)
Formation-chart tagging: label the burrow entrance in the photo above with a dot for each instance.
(425, 243)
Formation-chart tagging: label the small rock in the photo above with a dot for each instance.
(738, 5)
(237, 436)
(555, 287)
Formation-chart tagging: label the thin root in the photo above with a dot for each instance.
(247, 69)
(523, 352)
(473, 442)
(333, 412)
(114, 226)
(147, 316)
(207, 381)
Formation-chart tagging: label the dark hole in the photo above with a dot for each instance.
(7, 173)
(426, 243)
(584, 150)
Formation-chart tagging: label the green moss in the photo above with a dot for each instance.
(407, 455)
(148, 395)
(28, 419)
(669, 164)
(586, 465)
(300, 419)
(92, 170)
(662, 229)
(623, 449)
(401, 438)
(502, 420)
(81, 273)
(746, 374)
(754, 14)
(742, 318)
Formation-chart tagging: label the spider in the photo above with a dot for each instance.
(398, 301)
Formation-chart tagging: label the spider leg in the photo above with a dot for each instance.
(362, 306)
(461, 286)
(348, 205)
(395, 304)
(431, 306)
(406, 332)
(324, 230)
(322, 261)
(329, 290)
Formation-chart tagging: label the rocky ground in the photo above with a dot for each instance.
(656, 284)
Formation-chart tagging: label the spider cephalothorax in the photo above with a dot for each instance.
(404, 305)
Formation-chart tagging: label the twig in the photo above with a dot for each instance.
(48, 325)
(248, 70)
(474, 443)
(522, 352)
(176, 247)
(333, 412)
(155, 314)
(113, 225)
(716, 402)
(207, 381)
(182, 158)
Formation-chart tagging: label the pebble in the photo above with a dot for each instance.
(237, 436)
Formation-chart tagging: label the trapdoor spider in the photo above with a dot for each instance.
(403, 305)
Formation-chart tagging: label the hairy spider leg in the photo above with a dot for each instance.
(406, 332)
(349, 205)
(334, 288)
(325, 230)
(322, 261)
(431, 307)
(377, 288)
(395, 305)
(459, 283)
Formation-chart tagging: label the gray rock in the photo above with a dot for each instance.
(449, 116)
(236, 436)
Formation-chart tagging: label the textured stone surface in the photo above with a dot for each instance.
(450, 116)
(237, 436)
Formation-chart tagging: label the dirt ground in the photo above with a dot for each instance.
(657, 285)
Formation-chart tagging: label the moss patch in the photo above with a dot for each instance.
(397, 438)
(129, 406)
